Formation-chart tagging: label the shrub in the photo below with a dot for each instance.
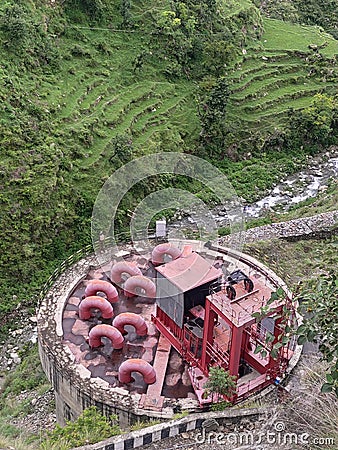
(220, 406)
(220, 382)
(16, 26)
(89, 428)
(140, 425)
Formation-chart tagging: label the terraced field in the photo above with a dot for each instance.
(101, 95)
(284, 73)
(98, 101)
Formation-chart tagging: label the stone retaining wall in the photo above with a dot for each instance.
(320, 225)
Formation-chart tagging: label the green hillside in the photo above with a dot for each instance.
(290, 65)
(88, 85)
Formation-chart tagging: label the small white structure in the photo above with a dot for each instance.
(161, 228)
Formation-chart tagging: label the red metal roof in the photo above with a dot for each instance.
(188, 272)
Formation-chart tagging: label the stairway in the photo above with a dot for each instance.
(153, 399)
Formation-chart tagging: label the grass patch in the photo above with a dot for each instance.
(144, 424)
(296, 261)
(89, 428)
(27, 375)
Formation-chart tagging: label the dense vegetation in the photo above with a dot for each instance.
(88, 85)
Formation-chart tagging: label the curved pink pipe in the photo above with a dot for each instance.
(124, 267)
(107, 331)
(157, 255)
(136, 365)
(95, 302)
(139, 281)
(133, 319)
(95, 286)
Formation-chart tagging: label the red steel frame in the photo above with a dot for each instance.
(211, 355)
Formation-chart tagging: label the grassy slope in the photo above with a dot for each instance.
(151, 109)
(296, 261)
(101, 97)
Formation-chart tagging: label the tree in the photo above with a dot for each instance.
(125, 13)
(17, 27)
(315, 125)
(93, 8)
(212, 115)
(319, 307)
(221, 383)
(178, 35)
(26, 34)
(121, 148)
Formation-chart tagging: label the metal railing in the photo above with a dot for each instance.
(217, 354)
(251, 386)
(76, 257)
(66, 264)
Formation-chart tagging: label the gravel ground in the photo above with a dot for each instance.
(41, 405)
(41, 416)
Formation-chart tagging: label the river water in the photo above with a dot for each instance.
(296, 188)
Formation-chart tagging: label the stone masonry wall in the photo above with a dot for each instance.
(320, 225)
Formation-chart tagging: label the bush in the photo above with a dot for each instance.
(221, 383)
(89, 428)
(17, 27)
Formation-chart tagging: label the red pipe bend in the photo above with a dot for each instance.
(95, 302)
(95, 286)
(139, 281)
(124, 267)
(157, 255)
(136, 365)
(107, 331)
(133, 319)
